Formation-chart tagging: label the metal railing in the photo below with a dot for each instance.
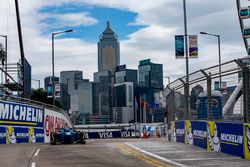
(207, 100)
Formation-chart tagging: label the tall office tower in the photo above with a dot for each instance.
(150, 74)
(69, 86)
(108, 50)
(122, 74)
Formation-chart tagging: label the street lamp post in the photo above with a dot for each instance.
(187, 63)
(53, 69)
(6, 52)
(218, 36)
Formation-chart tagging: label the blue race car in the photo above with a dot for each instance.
(67, 136)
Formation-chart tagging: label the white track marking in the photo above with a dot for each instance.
(156, 156)
(33, 164)
(37, 151)
(200, 159)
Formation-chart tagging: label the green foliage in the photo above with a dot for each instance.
(41, 96)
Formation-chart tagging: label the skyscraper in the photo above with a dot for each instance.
(150, 74)
(108, 50)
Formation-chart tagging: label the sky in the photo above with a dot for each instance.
(145, 29)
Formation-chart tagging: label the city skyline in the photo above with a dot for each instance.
(144, 32)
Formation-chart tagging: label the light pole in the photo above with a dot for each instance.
(53, 69)
(6, 52)
(187, 66)
(218, 36)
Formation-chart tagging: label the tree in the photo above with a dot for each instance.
(41, 96)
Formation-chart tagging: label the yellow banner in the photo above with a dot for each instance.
(247, 141)
(188, 133)
(32, 137)
(10, 135)
(213, 140)
(173, 132)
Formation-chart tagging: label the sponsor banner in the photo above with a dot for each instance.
(2, 135)
(193, 46)
(179, 46)
(113, 134)
(180, 131)
(19, 114)
(225, 137)
(52, 121)
(173, 132)
(247, 141)
(168, 132)
(57, 90)
(36, 135)
(198, 131)
(188, 133)
(23, 135)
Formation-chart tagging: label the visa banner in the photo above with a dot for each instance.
(21, 115)
(247, 141)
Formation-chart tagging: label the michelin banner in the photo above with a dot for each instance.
(247, 141)
(23, 135)
(2, 135)
(20, 114)
(225, 137)
(180, 131)
(195, 133)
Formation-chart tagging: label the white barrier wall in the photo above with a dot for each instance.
(53, 120)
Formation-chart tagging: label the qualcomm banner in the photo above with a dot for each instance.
(20, 123)
(52, 121)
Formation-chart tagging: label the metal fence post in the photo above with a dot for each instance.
(209, 94)
(246, 90)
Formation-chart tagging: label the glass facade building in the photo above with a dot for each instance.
(150, 74)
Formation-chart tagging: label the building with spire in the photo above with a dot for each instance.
(108, 50)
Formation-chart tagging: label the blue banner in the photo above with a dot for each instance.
(231, 137)
(23, 135)
(2, 135)
(180, 131)
(199, 132)
(179, 46)
(20, 115)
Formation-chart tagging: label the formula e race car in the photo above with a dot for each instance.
(67, 136)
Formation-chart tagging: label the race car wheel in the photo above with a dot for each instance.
(82, 139)
(52, 139)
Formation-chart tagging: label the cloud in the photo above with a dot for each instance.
(163, 20)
